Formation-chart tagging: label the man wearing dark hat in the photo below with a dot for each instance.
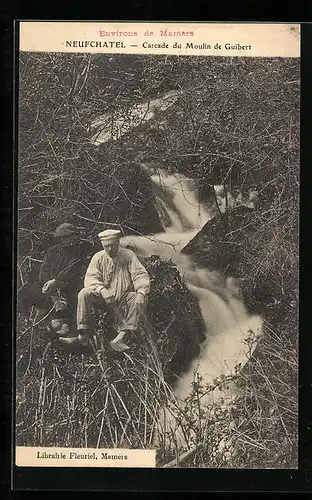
(117, 279)
(61, 275)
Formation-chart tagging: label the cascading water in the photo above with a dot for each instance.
(228, 325)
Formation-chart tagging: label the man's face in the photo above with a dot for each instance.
(111, 247)
(69, 240)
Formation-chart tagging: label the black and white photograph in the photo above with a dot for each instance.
(157, 267)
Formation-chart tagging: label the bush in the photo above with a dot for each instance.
(235, 123)
(103, 398)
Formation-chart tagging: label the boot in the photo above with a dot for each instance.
(117, 344)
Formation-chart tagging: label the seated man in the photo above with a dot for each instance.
(61, 275)
(116, 279)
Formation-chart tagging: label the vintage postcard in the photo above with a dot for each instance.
(157, 267)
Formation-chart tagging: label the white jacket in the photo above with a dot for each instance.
(117, 276)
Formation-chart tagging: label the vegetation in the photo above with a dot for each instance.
(235, 124)
(96, 397)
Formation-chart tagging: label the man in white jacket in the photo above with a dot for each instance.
(115, 278)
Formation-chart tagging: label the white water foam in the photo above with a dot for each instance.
(227, 323)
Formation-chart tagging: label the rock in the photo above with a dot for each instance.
(219, 244)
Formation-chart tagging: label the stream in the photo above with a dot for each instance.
(231, 333)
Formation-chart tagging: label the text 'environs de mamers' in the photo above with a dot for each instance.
(148, 32)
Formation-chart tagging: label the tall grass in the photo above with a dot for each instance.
(105, 399)
(236, 124)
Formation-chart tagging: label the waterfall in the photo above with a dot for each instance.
(227, 323)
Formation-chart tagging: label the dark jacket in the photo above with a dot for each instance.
(66, 264)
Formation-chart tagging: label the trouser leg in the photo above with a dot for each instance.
(61, 315)
(86, 301)
(31, 296)
(128, 314)
(128, 319)
(61, 305)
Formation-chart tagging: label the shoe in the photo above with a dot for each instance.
(64, 330)
(117, 344)
(68, 340)
(56, 324)
(83, 338)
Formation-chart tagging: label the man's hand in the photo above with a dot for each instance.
(49, 287)
(109, 299)
(140, 300)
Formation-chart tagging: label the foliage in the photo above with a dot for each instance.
(99, 397)
(236, 124)
(257, 429)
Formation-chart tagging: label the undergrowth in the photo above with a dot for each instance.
(100, 398)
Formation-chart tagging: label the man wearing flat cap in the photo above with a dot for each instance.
(117, 279)
(61, 275)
